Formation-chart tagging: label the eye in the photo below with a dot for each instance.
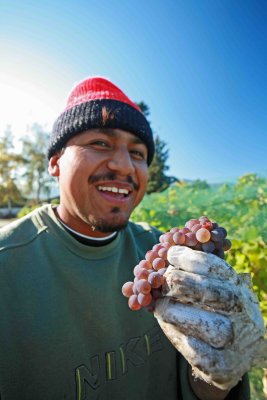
(100, 143)
(138, 154)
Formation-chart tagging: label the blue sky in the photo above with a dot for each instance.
(200, 65)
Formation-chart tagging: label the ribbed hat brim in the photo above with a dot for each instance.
(90, 115)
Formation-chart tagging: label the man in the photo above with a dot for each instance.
(66, 330)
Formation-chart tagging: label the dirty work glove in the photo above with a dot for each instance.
(211, 316)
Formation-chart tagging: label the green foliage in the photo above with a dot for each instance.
(30, 207)
(9, 161)
(55, 201)
(198, 184)
(158, 180)
(9, 193)
(251, 257)
(35, 162)
(26, 210)
(144, 108)
(256, 385)
(241, 208)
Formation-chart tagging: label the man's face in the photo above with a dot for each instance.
(102, 177)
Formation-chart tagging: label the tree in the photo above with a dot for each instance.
(199, 184)
(158, 180)
(9, 166)
(144, 108)
(37, 177)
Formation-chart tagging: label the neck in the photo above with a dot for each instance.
(79, 226)
(88, 237)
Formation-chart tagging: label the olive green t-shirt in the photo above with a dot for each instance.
(66, 331)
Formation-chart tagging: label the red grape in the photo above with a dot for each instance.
(175, 229)
(169, 238)
(226, 244)
(207, 225)
(157, 247)
(185, 230)
(144, 299)
(199, 234)
(151, 255)
(196, 228)
(189, 224)
(145, 264)
(143, 286)
(179, 238)
(162, 253)
(158, 263)
(136, 269)
(133, 303)
(203, 235)
(127, 289)
(216, 235)
(142, 273)
(162, 238)
(223, 231)
(190, 239)
(203, 219)
(166, 245)
(155, 279)
(208, 247)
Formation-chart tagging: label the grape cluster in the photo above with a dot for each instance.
(200, 234)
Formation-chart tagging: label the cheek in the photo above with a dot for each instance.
(72, 163)
(73, 173)
(144, 181)
(142, 178)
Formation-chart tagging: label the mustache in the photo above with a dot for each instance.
(110, 176)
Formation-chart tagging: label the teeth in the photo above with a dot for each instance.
(113, 189)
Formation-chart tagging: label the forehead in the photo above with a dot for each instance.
(115, 134)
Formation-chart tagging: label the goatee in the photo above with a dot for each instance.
(109, 227)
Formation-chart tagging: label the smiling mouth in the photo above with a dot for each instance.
(114, 191)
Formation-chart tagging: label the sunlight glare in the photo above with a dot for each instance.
(22, 104)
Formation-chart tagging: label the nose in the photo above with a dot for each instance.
(121, 162)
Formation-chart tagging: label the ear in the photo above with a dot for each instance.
(54, 165)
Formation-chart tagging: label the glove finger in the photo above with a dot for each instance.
(207, 292)
(220, 368)
(212, 328)
(200, 263)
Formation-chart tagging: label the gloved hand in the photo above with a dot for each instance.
(212, 317)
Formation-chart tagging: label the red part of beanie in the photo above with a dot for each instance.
(96, 88)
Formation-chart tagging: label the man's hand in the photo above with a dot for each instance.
(212, 317)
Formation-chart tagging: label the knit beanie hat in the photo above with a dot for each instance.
(97, 103)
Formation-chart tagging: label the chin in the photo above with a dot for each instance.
(109, 228)
(115, 223)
